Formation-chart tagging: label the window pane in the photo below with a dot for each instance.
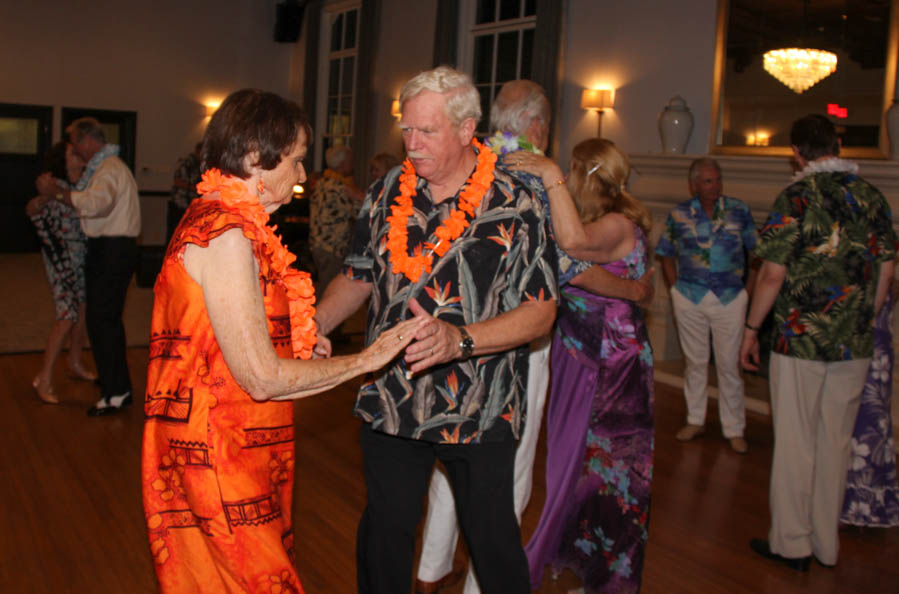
(337, 33)
(346, 114)
(486, 11)
(332, 116)
(19, 135)
(334, 77)
(509, 9)
(527, 53)
(483, 59)
(112, 132)
(507, 56)
(346, 83)
(530, 7)
(485, 91)
(351, 29)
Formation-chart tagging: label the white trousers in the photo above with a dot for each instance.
(441, 530)
(726, 323)
(813, 405)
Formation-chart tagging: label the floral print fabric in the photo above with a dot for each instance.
(331, 216)
(711, 253)
(599, 440)
(830, 230)
(499, 261)
(872, 495)
(217, 466)
(64, 249)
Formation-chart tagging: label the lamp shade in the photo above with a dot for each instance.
(597, 98)
(395, 108)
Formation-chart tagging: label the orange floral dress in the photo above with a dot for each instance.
(217, 466)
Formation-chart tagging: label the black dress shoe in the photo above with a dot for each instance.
(111, 405)
(761, 547)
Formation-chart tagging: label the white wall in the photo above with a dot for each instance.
(649, 50)
(161, 59)
(405, 46)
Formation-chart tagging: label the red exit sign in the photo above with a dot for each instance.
(835, 110)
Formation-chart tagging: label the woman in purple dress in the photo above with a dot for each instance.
(872, 496)
(600, 415)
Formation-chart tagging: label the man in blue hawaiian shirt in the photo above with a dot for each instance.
(828, 251)
(520, 118)
(704, 252)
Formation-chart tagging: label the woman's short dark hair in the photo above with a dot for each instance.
(815, 136)
(55, 161)
(252, 120)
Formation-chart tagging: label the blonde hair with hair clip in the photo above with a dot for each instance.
(599, 172)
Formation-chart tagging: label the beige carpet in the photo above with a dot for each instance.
(27, 313)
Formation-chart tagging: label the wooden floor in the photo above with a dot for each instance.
(70, 506)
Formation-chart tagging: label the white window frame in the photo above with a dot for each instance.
(329, 14)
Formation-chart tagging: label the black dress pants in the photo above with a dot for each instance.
(108, 270)
(397, 473)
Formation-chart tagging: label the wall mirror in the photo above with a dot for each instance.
(753, 107)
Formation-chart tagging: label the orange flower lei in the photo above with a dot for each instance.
(297, 284)
(450, 228)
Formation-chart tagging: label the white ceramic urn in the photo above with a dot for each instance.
(675, 126)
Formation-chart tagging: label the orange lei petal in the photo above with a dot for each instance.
(296, 283)
(451, 227)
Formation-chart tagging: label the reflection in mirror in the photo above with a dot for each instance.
(755, 106)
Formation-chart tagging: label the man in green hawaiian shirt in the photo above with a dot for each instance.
(458, 395)
(828, 248)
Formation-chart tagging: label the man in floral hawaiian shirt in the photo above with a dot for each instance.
(828, 248)
(703, 251)
(459, 240)
(333, 205)
(520, 117)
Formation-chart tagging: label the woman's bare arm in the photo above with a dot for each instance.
(227, 272)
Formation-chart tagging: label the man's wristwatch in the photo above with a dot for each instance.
(466, 345)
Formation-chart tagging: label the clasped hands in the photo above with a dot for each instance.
(434, 342)
(47, 185)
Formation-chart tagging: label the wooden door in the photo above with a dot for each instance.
(25, 132)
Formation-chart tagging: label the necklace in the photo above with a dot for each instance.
(297, 284)
(450, 228)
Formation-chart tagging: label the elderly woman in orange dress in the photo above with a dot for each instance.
(233, 340)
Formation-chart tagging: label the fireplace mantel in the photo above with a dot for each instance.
(660, 181)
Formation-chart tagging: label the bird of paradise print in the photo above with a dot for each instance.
(505, 236)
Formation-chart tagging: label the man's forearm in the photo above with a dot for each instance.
(513, 328)
(767, 286)
(669, 271)
(341, 299)
(600, 281)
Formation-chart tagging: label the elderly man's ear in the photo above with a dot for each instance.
(466, 130)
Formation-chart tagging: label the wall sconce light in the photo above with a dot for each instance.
(598, 99)
(211, 106)
(395, 109)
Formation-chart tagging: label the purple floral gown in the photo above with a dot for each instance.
(872, 496)
(600, 439)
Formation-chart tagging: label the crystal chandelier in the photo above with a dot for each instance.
(800, 68)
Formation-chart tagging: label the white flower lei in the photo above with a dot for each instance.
(824, 166)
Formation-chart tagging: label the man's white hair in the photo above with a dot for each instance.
(336, 155)
(516, 105)
(462, 98)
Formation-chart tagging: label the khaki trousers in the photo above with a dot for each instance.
(726, 324)
(814, 405)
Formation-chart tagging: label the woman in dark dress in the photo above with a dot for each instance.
(63, 246)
